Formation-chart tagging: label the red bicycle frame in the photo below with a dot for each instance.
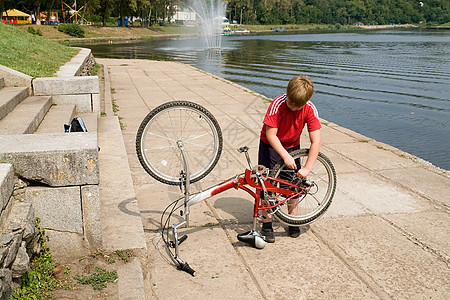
(257, 181)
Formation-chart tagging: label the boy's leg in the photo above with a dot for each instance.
(266, 156)
(293, 203)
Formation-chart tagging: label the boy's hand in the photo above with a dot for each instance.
(303, 172)
(290, 162)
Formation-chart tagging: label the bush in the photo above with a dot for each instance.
(72, 29)
(31, 30)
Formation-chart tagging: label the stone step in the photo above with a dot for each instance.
(57, 116)
(114, 193)
(2, 82)
(54, 159)
(90, 120)
(25, 118)
(119, 206)
(6, 184)
(10, 97)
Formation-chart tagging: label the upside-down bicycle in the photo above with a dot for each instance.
(180, 142)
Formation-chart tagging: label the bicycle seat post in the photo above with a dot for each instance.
(247, 156)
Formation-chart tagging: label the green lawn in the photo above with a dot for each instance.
(31, 54)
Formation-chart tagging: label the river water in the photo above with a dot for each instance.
(390, 85)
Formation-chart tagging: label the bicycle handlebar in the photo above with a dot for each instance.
(185, 267)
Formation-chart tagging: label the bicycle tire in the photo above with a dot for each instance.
(158, 135)
(317, 200)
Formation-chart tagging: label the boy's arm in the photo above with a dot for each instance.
(314, 137)
(274, 141)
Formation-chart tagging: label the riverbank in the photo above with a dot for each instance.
(112, 34)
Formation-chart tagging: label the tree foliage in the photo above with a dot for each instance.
(339, 11)
(263, 11)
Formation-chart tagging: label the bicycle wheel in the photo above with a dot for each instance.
(320, 185)
(173, 125)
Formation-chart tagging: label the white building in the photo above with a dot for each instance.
(184, 14)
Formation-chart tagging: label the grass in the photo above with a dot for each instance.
(98, 279)
(32, 54)
(39, 282)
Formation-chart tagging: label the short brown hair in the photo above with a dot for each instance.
(299, 90)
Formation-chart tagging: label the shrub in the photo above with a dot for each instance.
(72, 29)
(31, 30)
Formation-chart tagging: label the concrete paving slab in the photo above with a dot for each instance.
(376, 250)
(378, 196)
(428, 184)
(153, 199)
(417, 227)
(341, 164)
(219, 270)
(379, 159)
(302, 268)
(330, 135)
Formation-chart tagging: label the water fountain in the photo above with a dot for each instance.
(211, 12)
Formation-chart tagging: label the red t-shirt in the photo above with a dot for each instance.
(289, 123)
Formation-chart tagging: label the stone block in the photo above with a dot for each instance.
(65, 85)
(15, 78)
(96, 103)
(10, 97)
(6, 184)
(83, 102)
(75, 65)
(55, 159)
(66, 246)
(58, 208)
(90, 201)
(90, 120)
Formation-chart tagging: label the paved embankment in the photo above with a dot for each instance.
(384, 236)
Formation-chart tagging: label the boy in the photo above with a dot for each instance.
(283, 124)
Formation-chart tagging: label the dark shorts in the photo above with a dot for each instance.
(268, 157)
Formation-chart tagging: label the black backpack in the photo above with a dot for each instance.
(77, 125)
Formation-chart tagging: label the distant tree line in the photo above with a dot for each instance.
(340, 11)
(255, 11)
